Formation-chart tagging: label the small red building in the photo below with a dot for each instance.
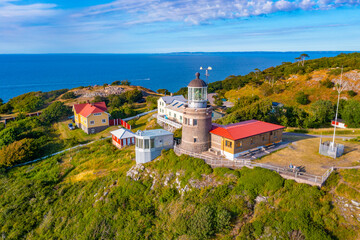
(122, 137)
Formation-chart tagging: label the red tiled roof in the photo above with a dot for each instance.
(85, 109)
(244, 129)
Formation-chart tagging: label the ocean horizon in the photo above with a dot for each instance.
(22, 73)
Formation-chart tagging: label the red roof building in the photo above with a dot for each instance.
(235, 139)
(91, 117)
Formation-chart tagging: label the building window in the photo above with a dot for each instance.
(146, 143)
(228, 144)
(195, 139)
(251, 140)
(263, 137)
(152, 143)
(180, 118)
(195, 122)
(239, 144)
(185, 121)
(97, 114)
(139, 143)
(174, 115)
(103, 120)
(92, 122)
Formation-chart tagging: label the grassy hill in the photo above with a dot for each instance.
(97, 192)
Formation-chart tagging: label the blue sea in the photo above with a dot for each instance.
(21, 73)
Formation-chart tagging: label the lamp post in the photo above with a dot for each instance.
(206, 72)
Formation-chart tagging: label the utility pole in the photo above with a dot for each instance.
(340, 86)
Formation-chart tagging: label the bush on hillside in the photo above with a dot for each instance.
(351, 93)
(302, 98)
(100, 99)
(115, 83)
(68, 95)
(327, 83)
(6, 108)
(54, 112)
(17, 152)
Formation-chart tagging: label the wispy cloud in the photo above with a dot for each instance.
(11, 10)
(202, 11)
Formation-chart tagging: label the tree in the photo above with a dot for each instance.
(322, 111)
(298, 60)
(115, 83)
(351, 113)
(257, 72)
(125, 82)
(302, 58)
(54, 112)
(163, 91)
(1, 102)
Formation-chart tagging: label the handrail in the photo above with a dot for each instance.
(239, 163)
(167, 121)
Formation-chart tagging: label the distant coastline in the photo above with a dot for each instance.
(21, 73)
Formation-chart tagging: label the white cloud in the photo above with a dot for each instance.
(203, 11)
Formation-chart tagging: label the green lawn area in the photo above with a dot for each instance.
(80, 136)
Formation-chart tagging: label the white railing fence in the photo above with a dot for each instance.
(220, 161)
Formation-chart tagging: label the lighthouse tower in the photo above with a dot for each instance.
(197, 118)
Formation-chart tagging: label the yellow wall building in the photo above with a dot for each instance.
(91, 117)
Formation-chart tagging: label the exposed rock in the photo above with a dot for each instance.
(260, 199)
(109, 90)
(355, 203)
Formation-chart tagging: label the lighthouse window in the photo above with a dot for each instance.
(195, 139)
(195, 122)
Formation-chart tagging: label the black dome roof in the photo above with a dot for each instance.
(197, 82)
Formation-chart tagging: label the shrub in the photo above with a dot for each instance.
(351, 113)
(68, 95)
(202, 224)
(163, 91)
(125, 82)
(17, 152)
(115, 83)
(302, 98)
(351, 93)
(6, 108)
(327, 83)
(54, 112)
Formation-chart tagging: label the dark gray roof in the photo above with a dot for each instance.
(197, 82)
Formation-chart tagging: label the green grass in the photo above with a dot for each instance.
(85, 194)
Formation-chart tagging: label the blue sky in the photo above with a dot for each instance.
(158, 26)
